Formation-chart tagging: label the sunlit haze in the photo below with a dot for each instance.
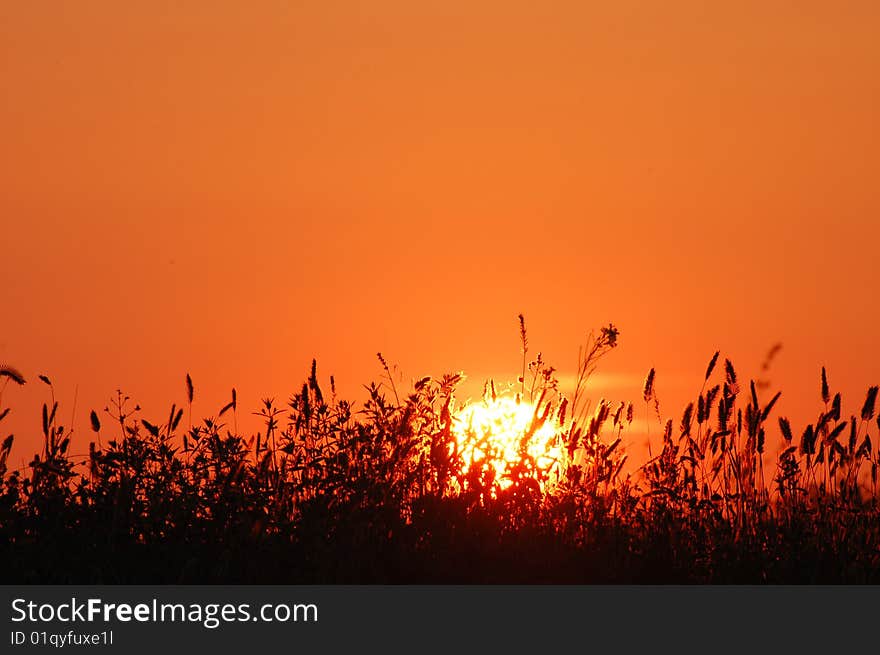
(232, 189)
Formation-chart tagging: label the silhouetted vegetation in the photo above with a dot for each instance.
(397, 490)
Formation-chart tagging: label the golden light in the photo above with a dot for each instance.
(503, 433)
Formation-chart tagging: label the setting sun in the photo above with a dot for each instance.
(503, 432)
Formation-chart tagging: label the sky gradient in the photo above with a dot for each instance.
(230, 189)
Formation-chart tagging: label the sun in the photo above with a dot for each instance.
(505, 431)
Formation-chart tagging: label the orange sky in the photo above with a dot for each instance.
(229, 189)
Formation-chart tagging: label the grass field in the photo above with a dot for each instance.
(528, 486)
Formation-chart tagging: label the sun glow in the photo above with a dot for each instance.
(508, 436)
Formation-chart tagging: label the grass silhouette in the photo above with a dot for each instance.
(399, 491)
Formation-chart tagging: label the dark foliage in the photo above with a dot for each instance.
(327, 494)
